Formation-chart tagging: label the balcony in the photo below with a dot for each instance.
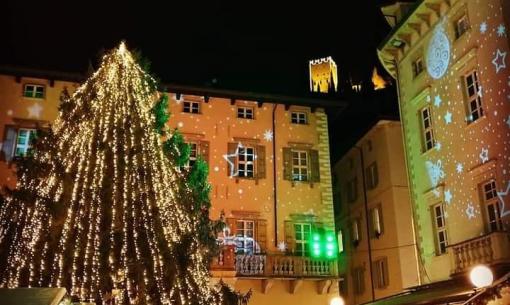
(273, 265)
(490, 249)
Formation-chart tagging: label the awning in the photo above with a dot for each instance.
(31, 296)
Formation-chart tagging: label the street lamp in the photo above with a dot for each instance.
(337, 301)
(481, 276)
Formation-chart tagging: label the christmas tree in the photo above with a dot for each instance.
(101, 206)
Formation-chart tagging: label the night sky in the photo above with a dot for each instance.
(246, 45)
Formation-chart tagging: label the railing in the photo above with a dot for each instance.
(283, 266)
(490, 249)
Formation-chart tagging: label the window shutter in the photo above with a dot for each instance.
(204, 150)
(231, 149)
(290, 236)
(9, 142)
(261, 162)
(262, 234)
(315, 175)
(381, 220)
(287, 163)
(385, 272)
(377, 273)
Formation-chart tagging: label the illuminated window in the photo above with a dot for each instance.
(493, 213)
(474, 96)
(418, 66)
(376, 222)
(245, 232)
(381, 276)
(34, 91)
(245, 162)
(461, 26)
(23, 141)
(340, 238)
(245, 112)
(358, 280)
(352, 189)
(191, 107)
(299, 118)
(303, 232)
(356, 233)
(440, 229)
(372, 176)
(299, 165)
(427, 129)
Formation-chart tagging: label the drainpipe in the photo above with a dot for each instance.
(367, 222)
(275, 193)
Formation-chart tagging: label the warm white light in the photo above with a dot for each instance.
(481, 276)
(337, 301)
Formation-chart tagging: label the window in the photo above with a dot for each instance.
(193, 154)
(303, 232)
(245, 231)
(427, 130)
(473, 94)
(356, 234)
(340, 238)
(440, 228)
(461, 26)
(352, 189)
(418, 66)
(490, 200)
(23, 141)
(191, 107)
(299, 118)
(245, 112)
(376, 222)
(245, 162)
(358, 280)
(381, 279)
(372, 176)
(34, 91)
(299, 165)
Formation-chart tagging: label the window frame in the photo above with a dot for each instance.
(440, 231)
(356, 231)
(427, 130)
(376, 221)
(34, 91)
(381, 279)
(303, 171)
(302, 246)
(372, 175)
(190, 106)
(299, 117)
(358, 275)
(245, 163)
(490, 199)
(26, 146)
(418, 69)
(242, 234)
(466, 25)
(244, 112)
(473, 98)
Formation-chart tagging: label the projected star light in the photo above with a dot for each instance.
(470, 211)
(501, 30)
(448, 196)
(499, 60)
(268, 135)
(437, 101)
(448, 117)
(483, 27)
(484, 155)
(502, 206)
(459, 168)
(34, 111)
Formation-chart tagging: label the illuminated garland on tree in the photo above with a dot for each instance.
(102, 210)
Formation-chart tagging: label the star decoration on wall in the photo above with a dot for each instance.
(438, 146)
(233, 170)
(483, 27)
(501, 30)
(448, 117)
(499, 60)
(448, 196)
(437, 101)
(502, 207)
(459, 168)
(34, 111)
(484, 155)
(282, 246)
(268, 135)
(470, 211)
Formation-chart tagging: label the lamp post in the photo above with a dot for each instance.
(481, 276)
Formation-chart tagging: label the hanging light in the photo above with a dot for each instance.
(481, 276)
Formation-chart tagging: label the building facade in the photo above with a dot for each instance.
(450, 62)
(378, 254)
(269, 170)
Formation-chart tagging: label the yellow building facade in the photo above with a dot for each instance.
(450, 62)
(378, 255)
(269, 169)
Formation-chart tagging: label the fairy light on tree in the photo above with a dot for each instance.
(101, 207)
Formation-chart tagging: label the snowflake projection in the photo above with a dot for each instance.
(435, 172)
(34, 111)
(268, 135)
(502, 206)
(483, 27)
(484, 155)
(499, 60)
(448, 196)
(282, 246)
(459, 168)
(448, 117)
(437, 101)
(438, 146)
(438, 54)
(470, 211)
(501, 30)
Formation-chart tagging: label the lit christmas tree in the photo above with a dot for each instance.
(101, 207)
